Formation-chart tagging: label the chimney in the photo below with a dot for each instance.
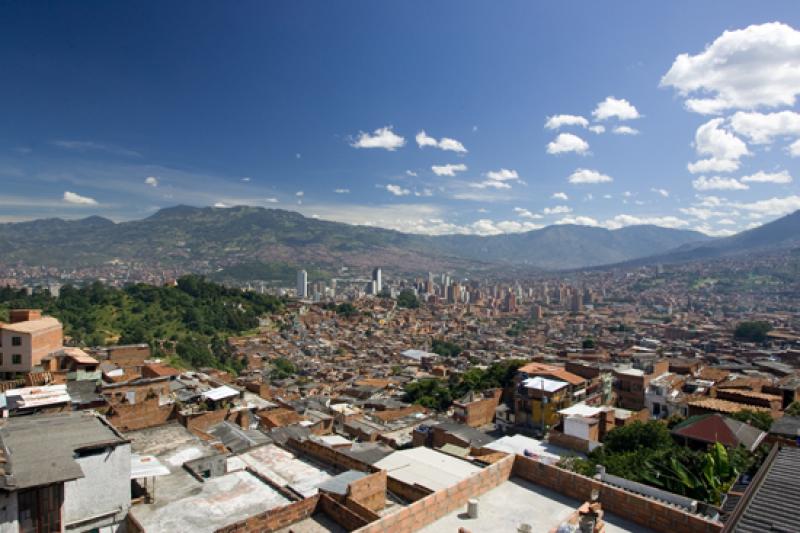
(23, 315)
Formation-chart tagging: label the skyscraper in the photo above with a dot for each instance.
(302, 284)
(376, 277)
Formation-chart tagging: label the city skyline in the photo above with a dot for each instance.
(479, 121)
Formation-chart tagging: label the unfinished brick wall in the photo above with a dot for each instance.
(406, 491)
(638, 509)
(568, 441)
(434, 506)
(274, 519)
(369, 491)
(145, 414)
(347, 518)
(330, 455)
(480, 412)
(202, 421)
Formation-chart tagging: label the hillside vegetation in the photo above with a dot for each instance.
(192, 318)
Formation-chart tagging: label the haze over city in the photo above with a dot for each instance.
(438, 267)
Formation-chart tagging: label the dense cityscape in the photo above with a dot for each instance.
(383, 267)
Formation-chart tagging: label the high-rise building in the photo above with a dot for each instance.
(302, 284)
(376, 277)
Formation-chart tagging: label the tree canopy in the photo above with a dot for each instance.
(752, 330)
(407, 299)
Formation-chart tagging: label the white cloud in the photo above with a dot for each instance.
(452, 145)
(503, 174)
(221, 205)
(85, 146)
(714, 232)
(271, 200)
(490, 184)
(578, 220)
(615, 108)
(397, 190)
(794, 149)
(557, 121)
(381, 138)
(560, 196)
(662, 192)
(597, 128)
(410, 173)
(758, 66)
(620, 221)
(445, 143)
(77, 199)
(713, 165)
(525, 213)
(423, 139)
(151, 180)
(567, 142)
(299, 194)
(585, 175)
(718, 183)
(341, 191)
(701, 213)
(498, 179)
(625, 130)
(762, 128)
(449, 169)
(710, 139)
(781, 177)
(426, 192)
(771, 207)
(557, 210)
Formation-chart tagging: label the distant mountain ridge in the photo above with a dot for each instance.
(783, 233)
(205, 239)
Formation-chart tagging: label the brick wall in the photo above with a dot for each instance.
(202, 421)
(145, 414)
(347, 518)
(480, 412)
(330, 456)
(274, 518)
(370, 491)
(568, 441)
(434, 506)
(638, 509)
(406, 491)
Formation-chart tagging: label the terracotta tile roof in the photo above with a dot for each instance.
(724, 406)
(538, 369)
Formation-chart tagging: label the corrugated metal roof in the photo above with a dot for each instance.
(774, 505)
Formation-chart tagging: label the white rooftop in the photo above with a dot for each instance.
(220, 393)
(580, 409)
(530, 447)
(417, 354)
(549, 385)
(426, 467)
(147, 466)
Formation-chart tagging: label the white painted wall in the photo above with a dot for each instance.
(9, 513)
(106, 487)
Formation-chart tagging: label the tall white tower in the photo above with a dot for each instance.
(376, 277)
(302, 284)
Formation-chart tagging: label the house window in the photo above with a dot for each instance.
(16, 359)
(16, 341)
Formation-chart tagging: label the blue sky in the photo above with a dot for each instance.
(120, 109)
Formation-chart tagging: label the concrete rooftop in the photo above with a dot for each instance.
(517, 502)
(206, 507)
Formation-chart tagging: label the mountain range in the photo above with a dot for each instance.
(212, 239)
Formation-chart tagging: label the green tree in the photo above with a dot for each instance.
(429, 392)
(407, 298)
(445, 348)
(793, 409)
(589, 344)
(758, 419)
(282, 368)
(753, 331)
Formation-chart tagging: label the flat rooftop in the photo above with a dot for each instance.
(518, 502)
(285, 469)
(209, 506)
(183, 503)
